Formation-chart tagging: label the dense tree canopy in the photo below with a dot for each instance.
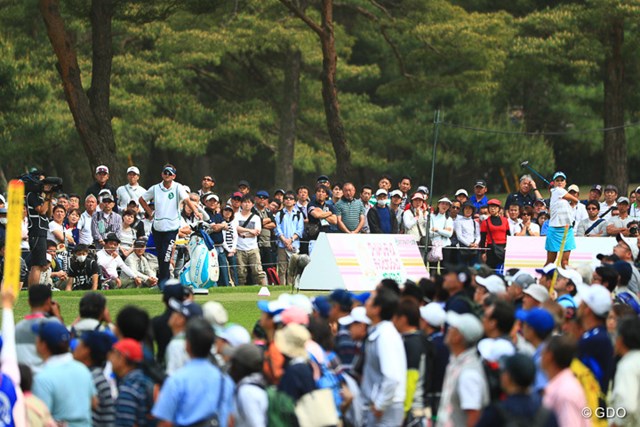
(243, 89)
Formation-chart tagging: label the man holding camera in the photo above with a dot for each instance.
(39, 209)
(620, 223)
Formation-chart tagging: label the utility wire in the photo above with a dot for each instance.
(506, 132)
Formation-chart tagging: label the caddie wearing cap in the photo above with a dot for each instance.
(562, 218)
(167, 197)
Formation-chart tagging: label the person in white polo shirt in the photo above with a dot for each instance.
(130, 191)
(167, 196)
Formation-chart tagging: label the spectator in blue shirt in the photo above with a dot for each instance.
(479, 199)
(289, 229)
(199, 391)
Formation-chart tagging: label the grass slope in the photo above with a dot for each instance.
(240, 302)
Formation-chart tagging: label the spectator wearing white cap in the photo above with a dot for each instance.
(465, 392)
(106, 220)
(579, 210)
(380, 218)
(627, 250)
(131, 191)
(619, 224)
(594, 348)
(489, 285)
(228, 339)
(102, 183)
(462, 196)
(432, 320)
(395, 200)
(566, 287)
(534, 296)
(384, 375)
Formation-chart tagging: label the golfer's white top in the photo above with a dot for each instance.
(167, 205)
(561, 212)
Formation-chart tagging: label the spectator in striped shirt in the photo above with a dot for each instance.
(351, 211)
(92, 350)
(135, 390)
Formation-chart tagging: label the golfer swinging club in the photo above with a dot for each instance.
(562, 218)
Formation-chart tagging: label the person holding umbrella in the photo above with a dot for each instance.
(560, 231)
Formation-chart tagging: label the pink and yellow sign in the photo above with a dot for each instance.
(358, 262)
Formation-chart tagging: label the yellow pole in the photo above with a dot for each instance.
(559, 259)
(12, 249)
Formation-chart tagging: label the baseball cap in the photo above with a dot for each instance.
(541, 201)
(212, 196)
(382, 191)
(172, 290)
(321, 305)
(112, 237)
(357, 315)
(597, 298)
(322, 178)
(537, 292)
(362, 298)
(214, 313)
(134, 170)
(102, 168)
(237, 194)
(140, 243)
(244, 183)
(571, 274)
(623, 199)
(462, 191)
(596, 187)
(433, 314)
(444, 200)
(130, 348)
(301, 301)
(547, 270)
(480, 183)
(467, 324)
(188, 309)
(558, 174)
(169, 170)
(493, 283)
(262, 193)
(415, 196)
(493, 349)
(611, 187)
(624, 270)
(274, 307)
(523, 280)
(105, 195)
(638, 189)
(53, 333)
(494, 202)
(98, 341)
(279, 190)
(538, 318)
(294, 314)
(632, 243)
(423, 189)
(573, 187)
(342, 297)
(234, 334)
(397, 193)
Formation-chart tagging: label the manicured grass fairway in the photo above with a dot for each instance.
(240, 302)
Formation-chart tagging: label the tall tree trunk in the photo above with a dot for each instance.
(288, 119)
(90, 111)
(615, 145)
(330, 94)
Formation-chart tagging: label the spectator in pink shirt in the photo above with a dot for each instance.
(563, 394)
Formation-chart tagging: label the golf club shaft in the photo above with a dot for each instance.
(536, 173)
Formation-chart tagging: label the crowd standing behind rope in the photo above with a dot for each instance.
(472, 345)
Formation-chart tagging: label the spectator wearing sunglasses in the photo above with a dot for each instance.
(593, 226)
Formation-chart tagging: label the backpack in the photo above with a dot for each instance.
(281, 409)
(540, 418)
(272, 276)
(296, 216)
(492, 373)
(329, 379)
(591, 387)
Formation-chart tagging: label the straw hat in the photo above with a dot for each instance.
(291, 340)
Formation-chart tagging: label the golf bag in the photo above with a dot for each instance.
(201, 271)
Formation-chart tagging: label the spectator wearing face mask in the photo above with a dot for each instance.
(381, 219)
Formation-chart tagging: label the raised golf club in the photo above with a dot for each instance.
(525, 165)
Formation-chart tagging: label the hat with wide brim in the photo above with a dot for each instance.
(291, 341)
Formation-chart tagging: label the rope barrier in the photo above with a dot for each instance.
(520, 133)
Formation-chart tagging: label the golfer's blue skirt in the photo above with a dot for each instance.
(554, 239)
